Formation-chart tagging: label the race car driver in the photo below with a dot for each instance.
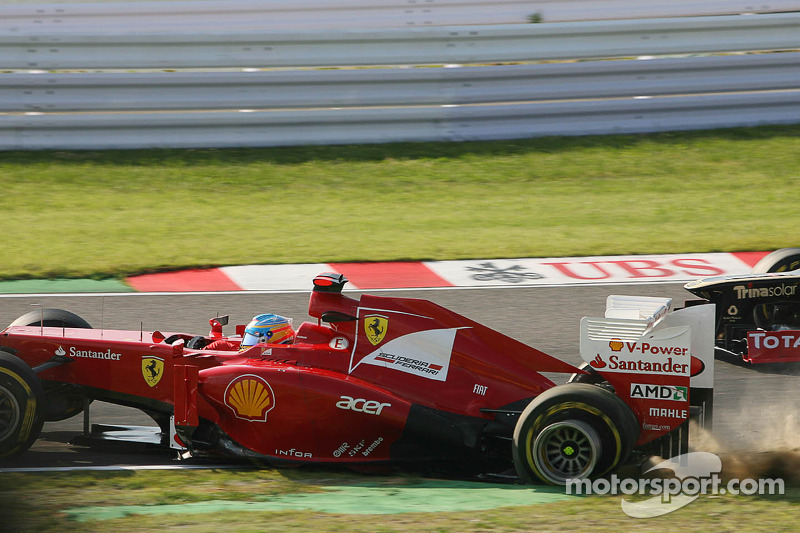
(266, 328)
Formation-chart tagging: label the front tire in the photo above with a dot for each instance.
(783, 260)
(573, 431)
(21, 406)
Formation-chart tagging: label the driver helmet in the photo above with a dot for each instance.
(267, 328)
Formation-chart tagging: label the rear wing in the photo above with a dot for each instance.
(659, 360)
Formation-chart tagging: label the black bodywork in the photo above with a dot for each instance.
(766, 300)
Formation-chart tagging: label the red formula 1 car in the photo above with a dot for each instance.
(758, 314)
(378, 380)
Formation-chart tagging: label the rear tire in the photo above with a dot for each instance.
(571, 431)
(783, 260)
(51, 318)
(21, 406)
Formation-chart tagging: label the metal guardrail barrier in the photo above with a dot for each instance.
(269, 15)
(303, 89)
(393, 46)
(207, 103)
(395, 124)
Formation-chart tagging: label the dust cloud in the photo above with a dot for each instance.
(768, 443)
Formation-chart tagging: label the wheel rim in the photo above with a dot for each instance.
(566, 450)
(9, 413)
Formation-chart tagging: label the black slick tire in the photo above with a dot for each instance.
(21, 406)
(576, 430)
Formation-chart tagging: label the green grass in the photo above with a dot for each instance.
(37, 502)
(107, 214)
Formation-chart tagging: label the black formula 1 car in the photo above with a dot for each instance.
(758, 314)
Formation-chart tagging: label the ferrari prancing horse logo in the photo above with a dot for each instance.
(375, 327)
(152, 370)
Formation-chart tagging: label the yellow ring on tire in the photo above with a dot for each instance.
(30, 410)
(571, 405)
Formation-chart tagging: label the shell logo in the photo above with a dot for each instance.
(615, 345)
(250, 397)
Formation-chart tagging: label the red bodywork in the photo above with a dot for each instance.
(782, 346)
(375, 379)
(344, 391)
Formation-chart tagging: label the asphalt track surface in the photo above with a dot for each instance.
(756, 408)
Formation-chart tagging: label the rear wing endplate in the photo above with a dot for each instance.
(645, 349)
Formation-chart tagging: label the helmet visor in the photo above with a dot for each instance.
(248, 340)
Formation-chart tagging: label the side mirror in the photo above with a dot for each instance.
(329, 282)
(216, 325)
